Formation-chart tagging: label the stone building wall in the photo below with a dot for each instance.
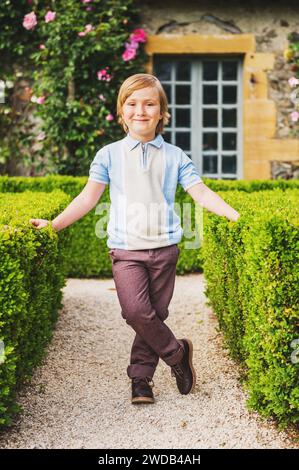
(269, 21)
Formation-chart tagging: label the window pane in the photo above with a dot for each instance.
(229, 70)
(182, 139)
(182, 94)
(210, 70)
(210, 141)
(210, 118)
(163, 70)
(183, 70)
(210, 94)
(229, 118)
(229, 164)
(229, 141)
(229, 94)
(210, 164)
(167, 89)
(182, 117)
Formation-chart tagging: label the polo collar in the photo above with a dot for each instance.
(132, 143)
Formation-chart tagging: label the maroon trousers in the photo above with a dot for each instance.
(144, 281)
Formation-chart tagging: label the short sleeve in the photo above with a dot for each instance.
(99, 167)
(188, 174)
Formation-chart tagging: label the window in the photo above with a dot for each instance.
(204, 95)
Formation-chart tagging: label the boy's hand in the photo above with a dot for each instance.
(236, 217)
(39, 223)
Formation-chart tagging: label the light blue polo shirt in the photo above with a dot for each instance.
(143, 179)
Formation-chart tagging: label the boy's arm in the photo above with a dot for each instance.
(79, 206)
(211, 201)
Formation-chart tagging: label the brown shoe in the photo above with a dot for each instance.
(183, 371)
(142, 390)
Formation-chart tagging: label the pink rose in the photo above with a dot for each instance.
(42, 46)
(41, 100)
(293, 81)
(50, 16)
(29, 21)
(132, 45)
(86, 1)
(88, 28)
(129, 54)
(109, 117)
(104, 75)
(138, 35)
(295, 116)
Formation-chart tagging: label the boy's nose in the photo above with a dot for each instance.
(140, 111)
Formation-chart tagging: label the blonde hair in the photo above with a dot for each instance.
(136, 82)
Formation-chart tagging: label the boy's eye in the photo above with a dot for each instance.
(148, 104)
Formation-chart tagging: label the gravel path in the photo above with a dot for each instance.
(75, 401)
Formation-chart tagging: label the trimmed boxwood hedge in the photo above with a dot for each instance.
(32, 274)
(251, 269)
(89, 254)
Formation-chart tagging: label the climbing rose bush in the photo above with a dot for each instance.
(75, 55)
(292, 57)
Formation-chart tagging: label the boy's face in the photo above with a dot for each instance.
(141, 113)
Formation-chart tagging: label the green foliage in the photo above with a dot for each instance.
(251, 268)
(292, 54)
(32, 273)
(15, 49)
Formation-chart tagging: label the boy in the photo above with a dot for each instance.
(144, 230)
